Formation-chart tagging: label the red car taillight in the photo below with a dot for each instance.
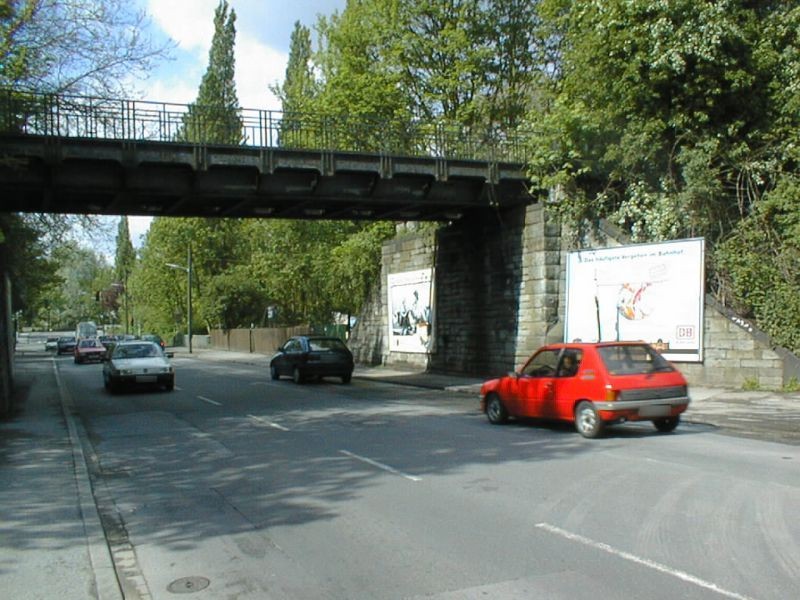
(611, 394)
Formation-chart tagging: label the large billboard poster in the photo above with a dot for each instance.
(650, 292)
(411, 311)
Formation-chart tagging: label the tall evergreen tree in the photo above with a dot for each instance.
(299, 86)
(125, 256)
(124, 261)
(214, 116)
(297, 92)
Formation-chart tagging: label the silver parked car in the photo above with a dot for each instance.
(137, 363)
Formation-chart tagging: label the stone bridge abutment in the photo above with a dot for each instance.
(500, 293)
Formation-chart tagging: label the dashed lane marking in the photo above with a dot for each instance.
(380, 465)
(641, 561)
(269, 423)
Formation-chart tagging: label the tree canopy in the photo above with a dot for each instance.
(670, 119)
(81, 46)
(674, 120)
(214, 116)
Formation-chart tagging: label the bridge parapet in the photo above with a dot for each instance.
(68, 154)
(66, 116)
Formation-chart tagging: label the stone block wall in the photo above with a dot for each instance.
(410, 251)
(500, 285)
(495, 296)
(735, 353)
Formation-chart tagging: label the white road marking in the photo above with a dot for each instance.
(381, 466)
(210, 401)
(642, 561)
(270, 423)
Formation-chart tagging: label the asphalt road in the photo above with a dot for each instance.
(235, 486)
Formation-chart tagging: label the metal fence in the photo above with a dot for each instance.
(117, 119)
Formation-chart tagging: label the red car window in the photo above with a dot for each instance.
(543, 364)
(631, 359)
(570, 361)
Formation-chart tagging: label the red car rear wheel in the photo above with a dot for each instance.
(587, 421)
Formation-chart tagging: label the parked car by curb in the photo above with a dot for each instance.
(151, 337)
(312, 357)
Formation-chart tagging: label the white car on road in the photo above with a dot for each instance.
(137, 363)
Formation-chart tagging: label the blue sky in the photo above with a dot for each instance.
(263, 32)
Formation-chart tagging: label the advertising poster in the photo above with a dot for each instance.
(411, 311)
(649, 292)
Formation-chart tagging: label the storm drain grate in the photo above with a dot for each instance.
(188, 585)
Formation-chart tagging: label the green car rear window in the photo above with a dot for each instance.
(326, 344)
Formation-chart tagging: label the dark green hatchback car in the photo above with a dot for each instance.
(305, 357)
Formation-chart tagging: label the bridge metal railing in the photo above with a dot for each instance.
(70, 116)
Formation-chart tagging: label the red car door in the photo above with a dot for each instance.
(566, 386)
(535, 385)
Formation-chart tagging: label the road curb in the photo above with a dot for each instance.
(106, 583)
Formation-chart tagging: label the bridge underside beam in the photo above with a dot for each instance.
(156, 178)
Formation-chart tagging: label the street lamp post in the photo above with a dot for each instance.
(188, 270)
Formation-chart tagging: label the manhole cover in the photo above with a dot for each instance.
(188, 585)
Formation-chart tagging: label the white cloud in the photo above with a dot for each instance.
(257, 66)
(138, 227)
(176, 90)
(190, 23)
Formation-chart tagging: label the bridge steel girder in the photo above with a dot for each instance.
(97, 176)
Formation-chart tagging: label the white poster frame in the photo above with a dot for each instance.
(651, 292)
(411, 302)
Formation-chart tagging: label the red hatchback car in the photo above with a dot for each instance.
(591, 385)
(89, 349)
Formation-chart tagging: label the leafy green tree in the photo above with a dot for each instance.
(355, 266)
(514, 63)
(159, 291)
(214, 116)
(678, 119)
(443, 54)
(24, 257)
(421, 68)
(285, 257)
(82, 273)
(362, 96)
(235, 299)
(759, 264)
(299, 86)
(645, 122)
(81, 46)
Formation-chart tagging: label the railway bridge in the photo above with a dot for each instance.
(83, 155)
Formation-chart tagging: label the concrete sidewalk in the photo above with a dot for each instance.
(52, 543)
(761, 414)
